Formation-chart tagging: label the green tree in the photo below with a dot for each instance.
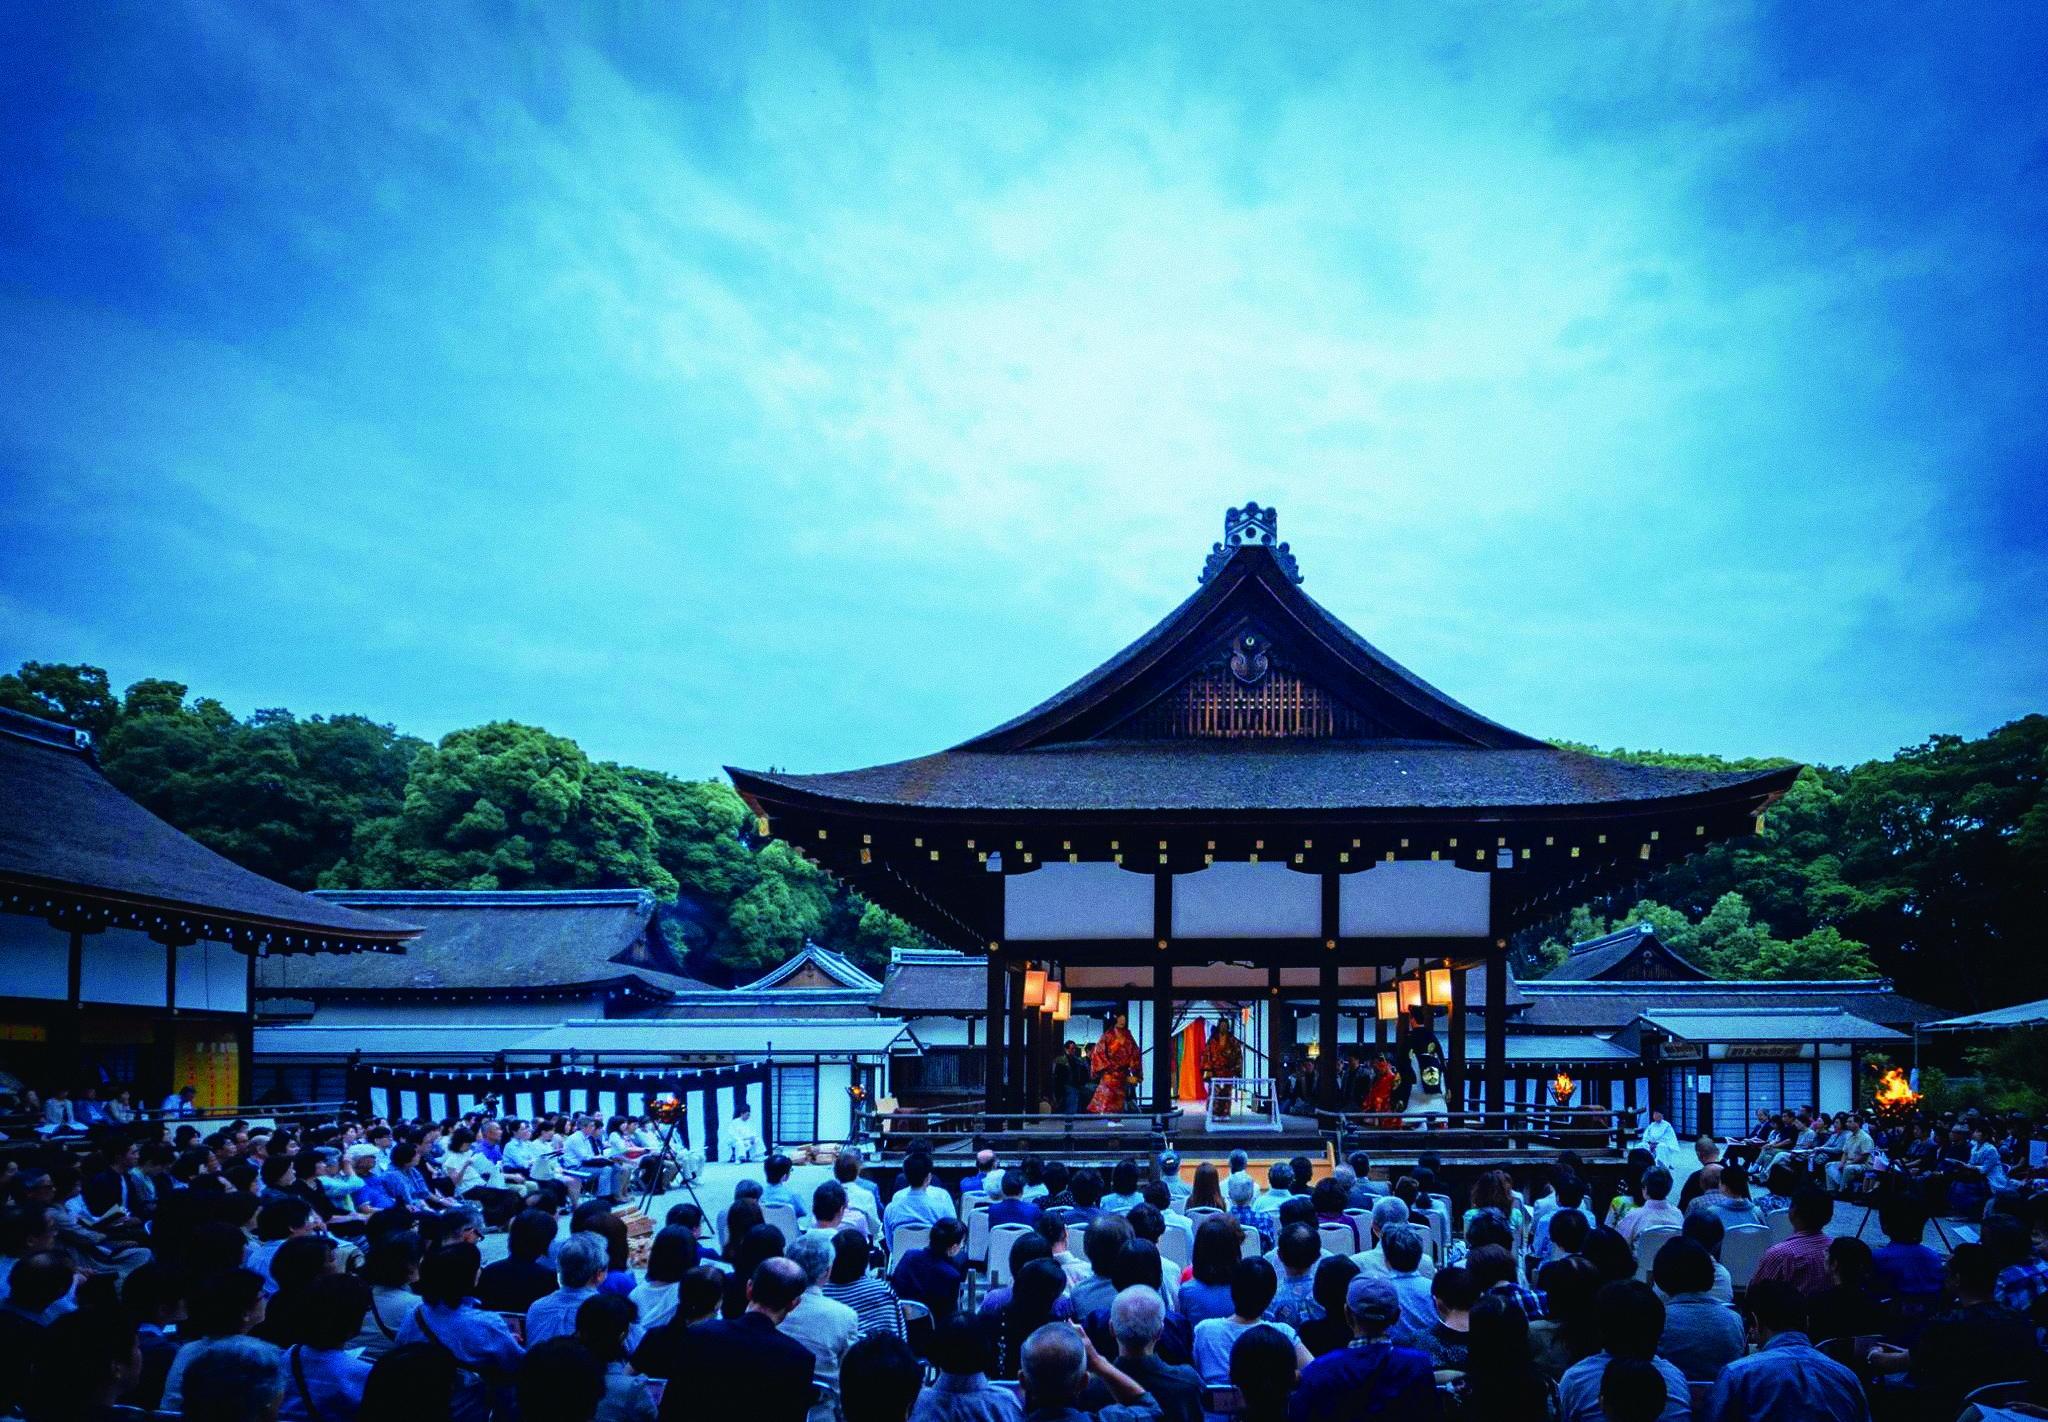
(76, 695)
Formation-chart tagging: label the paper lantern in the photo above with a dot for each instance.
(1411, 993)
(1034, 987)
(1387, 1007)
(1065, 1007)
(1439, 987)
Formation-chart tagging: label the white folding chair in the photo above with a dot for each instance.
(1742, 1249)
(784, 1219)
(1222, 1401)
(1001, 1240)
(907, 1238)
(1779, 1223)
(1177, 1248)
(1338, 1238)
(1439, 1226)
(1253, 1245)
(1200, 1213)
(1648, 1242)
(977, 1236)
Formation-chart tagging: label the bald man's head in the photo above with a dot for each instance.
(776, 1286)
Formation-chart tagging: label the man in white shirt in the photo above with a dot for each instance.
(921, 1202)
(1656, 1211)
(1281, 1180)
(825, 1326)
(580, 1155)
(178, 1104)
(859, 1198)
(1848, 1172)
(742, 1138)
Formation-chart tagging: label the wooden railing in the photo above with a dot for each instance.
(952, 1131)
(1605, 1129)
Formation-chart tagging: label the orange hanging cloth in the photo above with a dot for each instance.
(1188, 1081)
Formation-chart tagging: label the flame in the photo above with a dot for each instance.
(1893, 1093)
(1562, 1087)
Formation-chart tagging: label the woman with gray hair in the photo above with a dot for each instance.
(1054, 1368)
(1387, 1213)
(235, 1379)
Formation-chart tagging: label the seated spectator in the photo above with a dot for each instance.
(2022, 1273)
(154, 1298)
(748, 1253)
(1054, 1366)
(1012, 1207)
(1845, 1308)
(1905, 1268)
(1122, 1194)
(1265, 1373)
(1706, 1232)
(1138, 1265)
(672, 1255)
(1390, 1211)
(524, 1276)
(1566, 1233)
(1656, 1211)
(1086, 1188)
(875, 1306)
(1571, 1199)
(1802, 1260)
(880, 1381)
(1106, 1234)
(829, 1211)
(1787, 1379)
(1138, 1322)
(390, 1270)
(1038, 1298)
(561, 1381)
(961, 1353)
(236, 1379)
(1374, 1376)
(922, 1201)
(326, 1382)
(932, 1275)
(1701, 1335)
(1294, 1300)
(227, 1304)
(297, 1263)
(1631, 1321)
(1446, 1341)
(1631, 1390)
(594, 1218)
(416, 1383)
(1053, 1230)
(82, 1363)
(448, 1316)
(601, 1327)
(823, 1325)
(1330, 1331)
(1501, 1383)
(779, 1191)
(744, 1367)
(1279, 1189)
(1493, 1271)
(1974, 1341)
(1729, 1198)
(581, 1263)
(1253, 1282)
(1403, 1247)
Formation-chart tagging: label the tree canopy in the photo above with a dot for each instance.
(1930, 867)
(343, 802)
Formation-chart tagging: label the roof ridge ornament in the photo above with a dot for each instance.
(1250, 527)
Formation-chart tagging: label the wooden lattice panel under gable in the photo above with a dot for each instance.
(1214, 704)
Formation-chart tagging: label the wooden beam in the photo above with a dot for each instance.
(1162, 1038)
(1278, 1020)
(1457, 1073)
(1326, 1037)
(1014, 1075)
(998, 1010)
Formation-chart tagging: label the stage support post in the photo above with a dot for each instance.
(1326, 1037)
(1016, 1072)
(1458, 1070)
(1497, 1029)
(1162, 1037)
(998, 1012)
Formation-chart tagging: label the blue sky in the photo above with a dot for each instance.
(816, 387)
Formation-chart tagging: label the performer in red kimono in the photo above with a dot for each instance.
(1380, 1096)
(1116, 1064)
(1223, 1057)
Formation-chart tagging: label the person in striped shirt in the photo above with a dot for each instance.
(874, 1303)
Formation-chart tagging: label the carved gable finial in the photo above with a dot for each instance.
(1248, 527)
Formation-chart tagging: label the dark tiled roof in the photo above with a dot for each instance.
(1597, 957)
(498, 941)
(1608, 1011)
(1370, 776)
(951, 989)
(65, 824)
(1475, 991)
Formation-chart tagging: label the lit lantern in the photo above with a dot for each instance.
(1034, 987)
(1411, 993)
(1065, 1007)
(1439, 987)
(1388, 1008)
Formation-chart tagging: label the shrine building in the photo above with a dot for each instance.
(1251, 804)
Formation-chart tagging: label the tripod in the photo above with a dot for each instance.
(656, 1165)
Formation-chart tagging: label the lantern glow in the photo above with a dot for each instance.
(1034, 987)
(1439, 982)
(1064, 1009)
(1387, 1007)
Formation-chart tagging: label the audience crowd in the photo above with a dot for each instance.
(229, 1273)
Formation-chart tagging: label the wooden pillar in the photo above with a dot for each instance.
(1380, 1026)
(1278, 1021)
(996, 1060)
(1457, 1072)
(1326, 1035)
(1034, 1046)
(1014, 1076)
(1162, 1038)
(1497, 1029)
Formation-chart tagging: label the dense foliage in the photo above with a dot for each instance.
(343, 802)
(1930, 867)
